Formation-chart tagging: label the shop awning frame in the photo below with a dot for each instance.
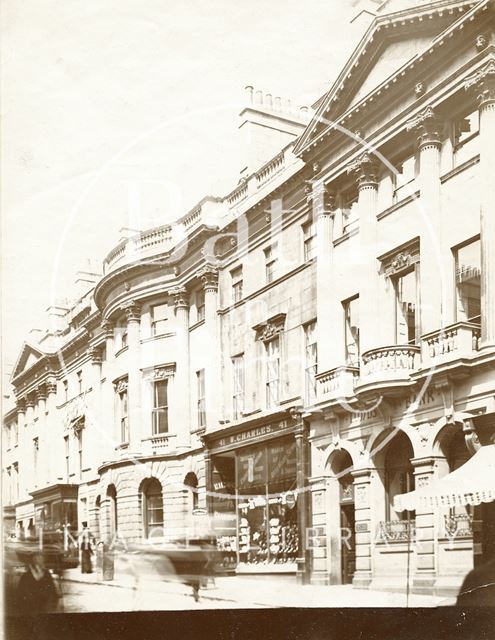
(470, 484)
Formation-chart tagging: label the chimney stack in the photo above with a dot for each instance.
(268, 125)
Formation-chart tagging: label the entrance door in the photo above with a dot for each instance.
(348, 543)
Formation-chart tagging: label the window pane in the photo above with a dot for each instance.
(468, 278)
(406, 308)
(160, 393)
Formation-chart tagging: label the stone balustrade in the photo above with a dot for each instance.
(270, 169)
(162, 442)
(239, 194)
(386, 369)
(157, 239)
(460, 340)
(337, 384)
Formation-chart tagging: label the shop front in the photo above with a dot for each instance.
(256, 499)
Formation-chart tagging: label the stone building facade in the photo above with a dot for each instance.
(293, 355)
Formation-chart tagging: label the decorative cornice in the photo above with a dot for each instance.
(427, 124)
(365, 169)
(132, 311)
(180, 297)
(483, 81)
(270, 328)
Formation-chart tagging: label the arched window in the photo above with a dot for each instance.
(112, 509)
(152, 506)
(191, 482)
(399, 473)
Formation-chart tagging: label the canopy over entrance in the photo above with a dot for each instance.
(472, 483)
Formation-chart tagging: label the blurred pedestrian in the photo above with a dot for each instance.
(86, 552)
(36, 592)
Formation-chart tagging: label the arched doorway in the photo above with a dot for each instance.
(341, 468)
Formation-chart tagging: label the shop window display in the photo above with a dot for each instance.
(266, 509)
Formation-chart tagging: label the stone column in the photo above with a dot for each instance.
(107, 418)
(208, 480)
(56, 453)
(435, 273)
(301, 437)
(365, 169)
(28, 450)
(24, 465)
(483, 82)
(425, 572)
(93, 449)
(133, 314)
(363, 522)
(209, 276)
(181, 380)
(330, 352)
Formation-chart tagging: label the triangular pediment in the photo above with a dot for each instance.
(29, 356)
(391, 42)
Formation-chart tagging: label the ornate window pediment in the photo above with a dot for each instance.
(270, 328)
(160, 372)
(121, 385)
(400, 259)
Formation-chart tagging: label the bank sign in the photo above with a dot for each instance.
(245, 437)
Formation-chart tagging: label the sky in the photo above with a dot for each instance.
(124, 113)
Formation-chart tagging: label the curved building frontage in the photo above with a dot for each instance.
(291, 357)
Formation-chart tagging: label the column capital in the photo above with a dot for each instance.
(483, 81)
(209, 277)
(96, 355)
(41, 392)
(51, 386)
(322, 198)
(180, 298)
(427, 124)
(365, 169)
(132, 311)
(107, 325)
(30, 400)
(21, 405)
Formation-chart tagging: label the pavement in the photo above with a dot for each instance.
(131, 592)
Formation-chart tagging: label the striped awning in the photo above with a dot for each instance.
(472, 483)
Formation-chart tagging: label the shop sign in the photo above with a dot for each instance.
(428, 398)
(282, 461)
(251, 434)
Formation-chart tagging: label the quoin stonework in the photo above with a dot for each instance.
(292, 356)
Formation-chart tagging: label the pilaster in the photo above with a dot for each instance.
(209, 277)
(181, 382)
(427, 125)
(133, 314)
(365, 171)
(425, 573)
(363, 525)
(483, 83)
